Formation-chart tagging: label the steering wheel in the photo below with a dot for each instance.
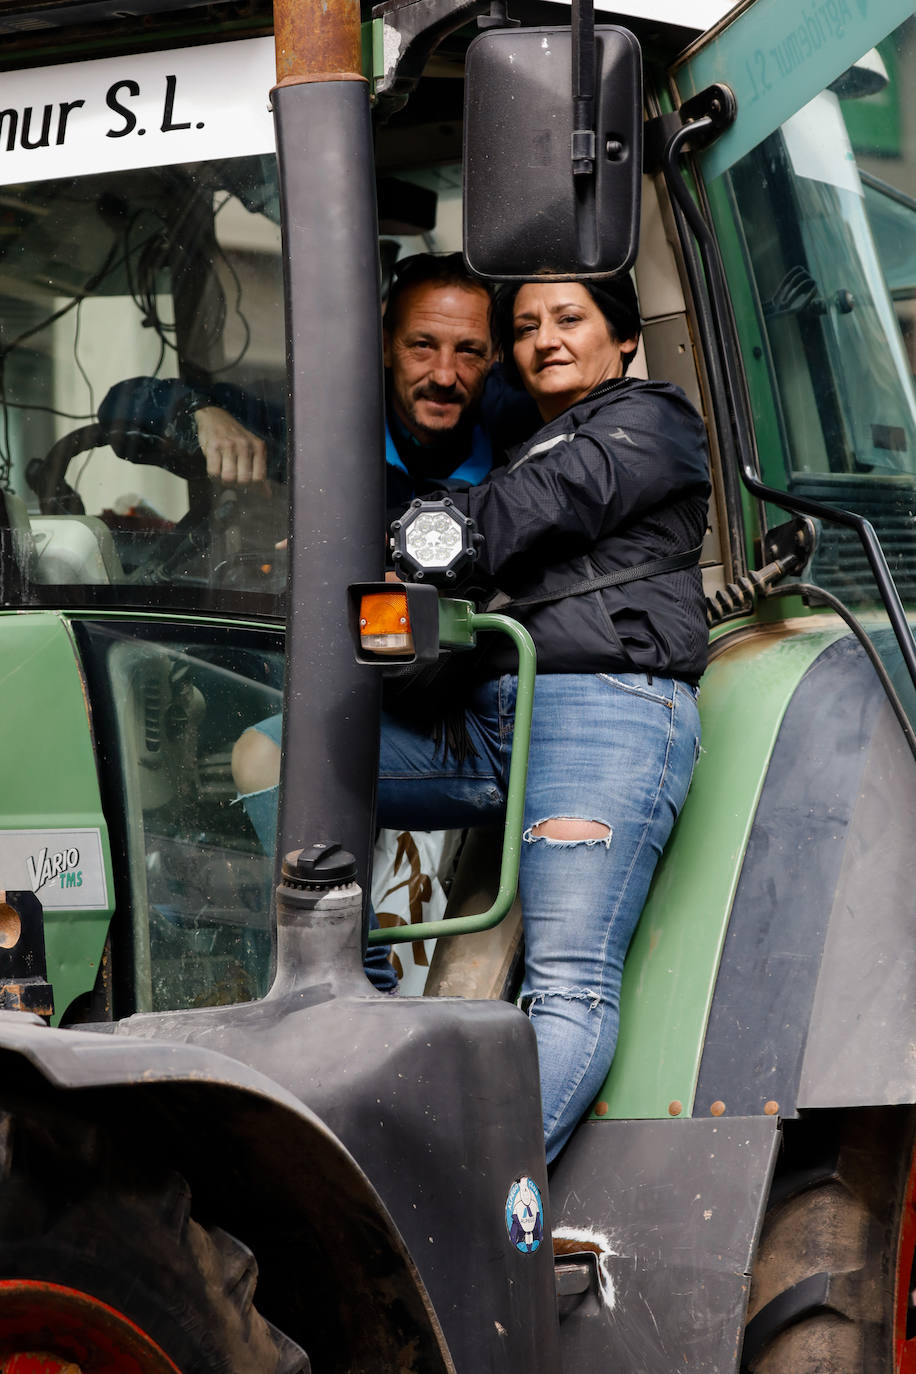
(47, 476)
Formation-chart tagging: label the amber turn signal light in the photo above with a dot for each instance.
(384, 623)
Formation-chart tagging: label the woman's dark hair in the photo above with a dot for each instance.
(615, 299)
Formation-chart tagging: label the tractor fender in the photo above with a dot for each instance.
(655, 1228)
(335, 1274)
(813, 1002)
(436, 1098)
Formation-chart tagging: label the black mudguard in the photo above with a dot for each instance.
(662, 1218)
(335, 1274)
(433, 1097)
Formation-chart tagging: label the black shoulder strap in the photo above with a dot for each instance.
(673, 563)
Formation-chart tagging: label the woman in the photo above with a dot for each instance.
(615, 479)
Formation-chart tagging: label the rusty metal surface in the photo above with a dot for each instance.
(317, 40)
(32, 994)
(23, 966)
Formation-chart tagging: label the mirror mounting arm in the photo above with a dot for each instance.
(698, 122)
(417, 28)
(498, 18)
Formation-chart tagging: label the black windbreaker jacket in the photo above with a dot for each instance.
(617, 480)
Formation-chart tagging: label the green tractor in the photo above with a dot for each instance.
(219, 1149)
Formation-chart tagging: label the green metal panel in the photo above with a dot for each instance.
(671, 968)
(49, 776)
(373, 44)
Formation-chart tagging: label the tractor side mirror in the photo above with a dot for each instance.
(542, 198)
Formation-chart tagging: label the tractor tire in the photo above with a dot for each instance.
(832, 1290)
(103, 1270)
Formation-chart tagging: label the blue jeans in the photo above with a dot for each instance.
(616, 749)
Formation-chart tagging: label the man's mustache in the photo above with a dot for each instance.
(428, 392)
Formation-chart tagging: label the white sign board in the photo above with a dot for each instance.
(64, 868)
(149, 110)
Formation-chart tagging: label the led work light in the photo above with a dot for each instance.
(433, 542)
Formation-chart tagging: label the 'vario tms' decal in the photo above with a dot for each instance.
(44, 868)
(64, 868)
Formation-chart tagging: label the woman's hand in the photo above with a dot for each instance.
(232, 452)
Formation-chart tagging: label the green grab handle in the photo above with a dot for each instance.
(515, 800)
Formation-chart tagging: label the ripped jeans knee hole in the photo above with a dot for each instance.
(591, 832)
(534, 999)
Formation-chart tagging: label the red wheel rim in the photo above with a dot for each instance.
(46, 1328)
(904, 1300)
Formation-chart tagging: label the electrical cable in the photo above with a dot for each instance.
(246, 327)
(85, 376)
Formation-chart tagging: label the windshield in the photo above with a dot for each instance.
(128, 301)
(141, 293)
(816, 225)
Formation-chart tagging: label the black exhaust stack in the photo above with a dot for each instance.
(335, 424)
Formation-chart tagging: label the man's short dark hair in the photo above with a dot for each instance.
(432, 269)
